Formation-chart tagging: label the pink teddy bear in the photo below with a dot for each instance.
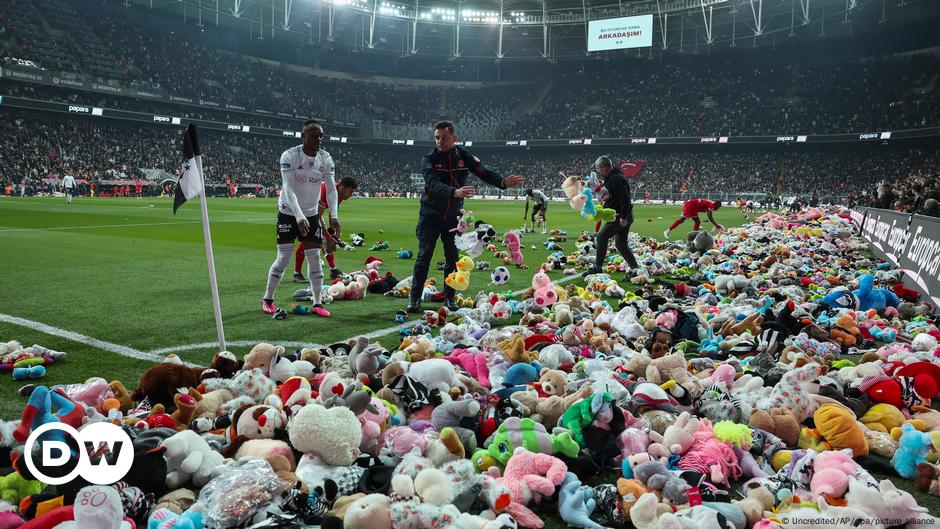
(545, 294)
(514, 244)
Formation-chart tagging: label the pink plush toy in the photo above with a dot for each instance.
(372, 425)
(711, 457)
(666, 320)
(545, 294)
(529, 477)
(472, 363)
(724, 374)
(831, 472)
(514, 244)
(400, 440)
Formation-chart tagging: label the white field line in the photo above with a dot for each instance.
(118, 349)
(129, 225)
(236, 343)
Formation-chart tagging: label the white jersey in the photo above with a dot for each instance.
(68, 181)
(539, 197)
(301, 179)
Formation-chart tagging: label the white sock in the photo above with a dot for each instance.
(314, 273)
(284, 252)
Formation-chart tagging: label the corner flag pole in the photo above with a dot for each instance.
(190, 183)
(213, 283)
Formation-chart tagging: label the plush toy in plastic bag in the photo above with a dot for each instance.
(241, 493)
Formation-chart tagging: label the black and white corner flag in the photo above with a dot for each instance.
(189, 178)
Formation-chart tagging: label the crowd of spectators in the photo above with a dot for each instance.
(656, 99)
(917, 191)
(35, 146)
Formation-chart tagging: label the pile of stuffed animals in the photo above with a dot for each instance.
(771, 383)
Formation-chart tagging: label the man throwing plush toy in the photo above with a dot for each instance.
(446, 169)
(305, 169)
(692, 209)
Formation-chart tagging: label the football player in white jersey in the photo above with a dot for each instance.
(303, 169)
(68, 186)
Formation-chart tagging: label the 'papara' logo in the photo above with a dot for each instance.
(80, 110)
(56, 452)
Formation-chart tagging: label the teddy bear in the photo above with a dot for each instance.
(548, 410)
(759, 500)
(646, 513)
(160, 382)
(845, 331)
(515, 351)
(779, 422)
(551, 383)
(189, 458)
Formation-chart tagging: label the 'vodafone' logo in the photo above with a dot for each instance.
(111, 467)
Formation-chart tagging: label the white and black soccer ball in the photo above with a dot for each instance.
(500, 275)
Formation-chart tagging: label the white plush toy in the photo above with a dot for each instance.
(189, 457)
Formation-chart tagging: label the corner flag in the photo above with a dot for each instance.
(189, 182)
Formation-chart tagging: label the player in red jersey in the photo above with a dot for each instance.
(344, 190)
(692, 209)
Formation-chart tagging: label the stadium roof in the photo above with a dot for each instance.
(556, 29)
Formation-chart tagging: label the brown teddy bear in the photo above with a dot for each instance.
(262, 356)
(758, 501)
(671, 367)
(284, 470)
(122, 395)
(514, 350)
(159, 383)
(548, 410)
(845, 331)
(780, 422)
(551, 382)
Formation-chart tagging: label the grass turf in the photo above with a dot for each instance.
(128, 272)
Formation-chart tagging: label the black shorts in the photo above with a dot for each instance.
(288, 232)
(539, 208)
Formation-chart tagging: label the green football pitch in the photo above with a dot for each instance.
(119, 282)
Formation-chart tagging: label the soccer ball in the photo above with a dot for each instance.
(500, 275)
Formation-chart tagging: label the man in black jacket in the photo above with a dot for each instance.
(618, 199)
(446, 169)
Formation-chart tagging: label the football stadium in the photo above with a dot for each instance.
(291, 264)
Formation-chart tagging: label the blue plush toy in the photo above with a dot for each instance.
(522, 374)
(405, 254)
(165, 518)
(589, 209)
(576, 503)
(912, 449)
(839, 298)
(874, 298)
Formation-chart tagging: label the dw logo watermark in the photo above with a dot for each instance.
(112, 466)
